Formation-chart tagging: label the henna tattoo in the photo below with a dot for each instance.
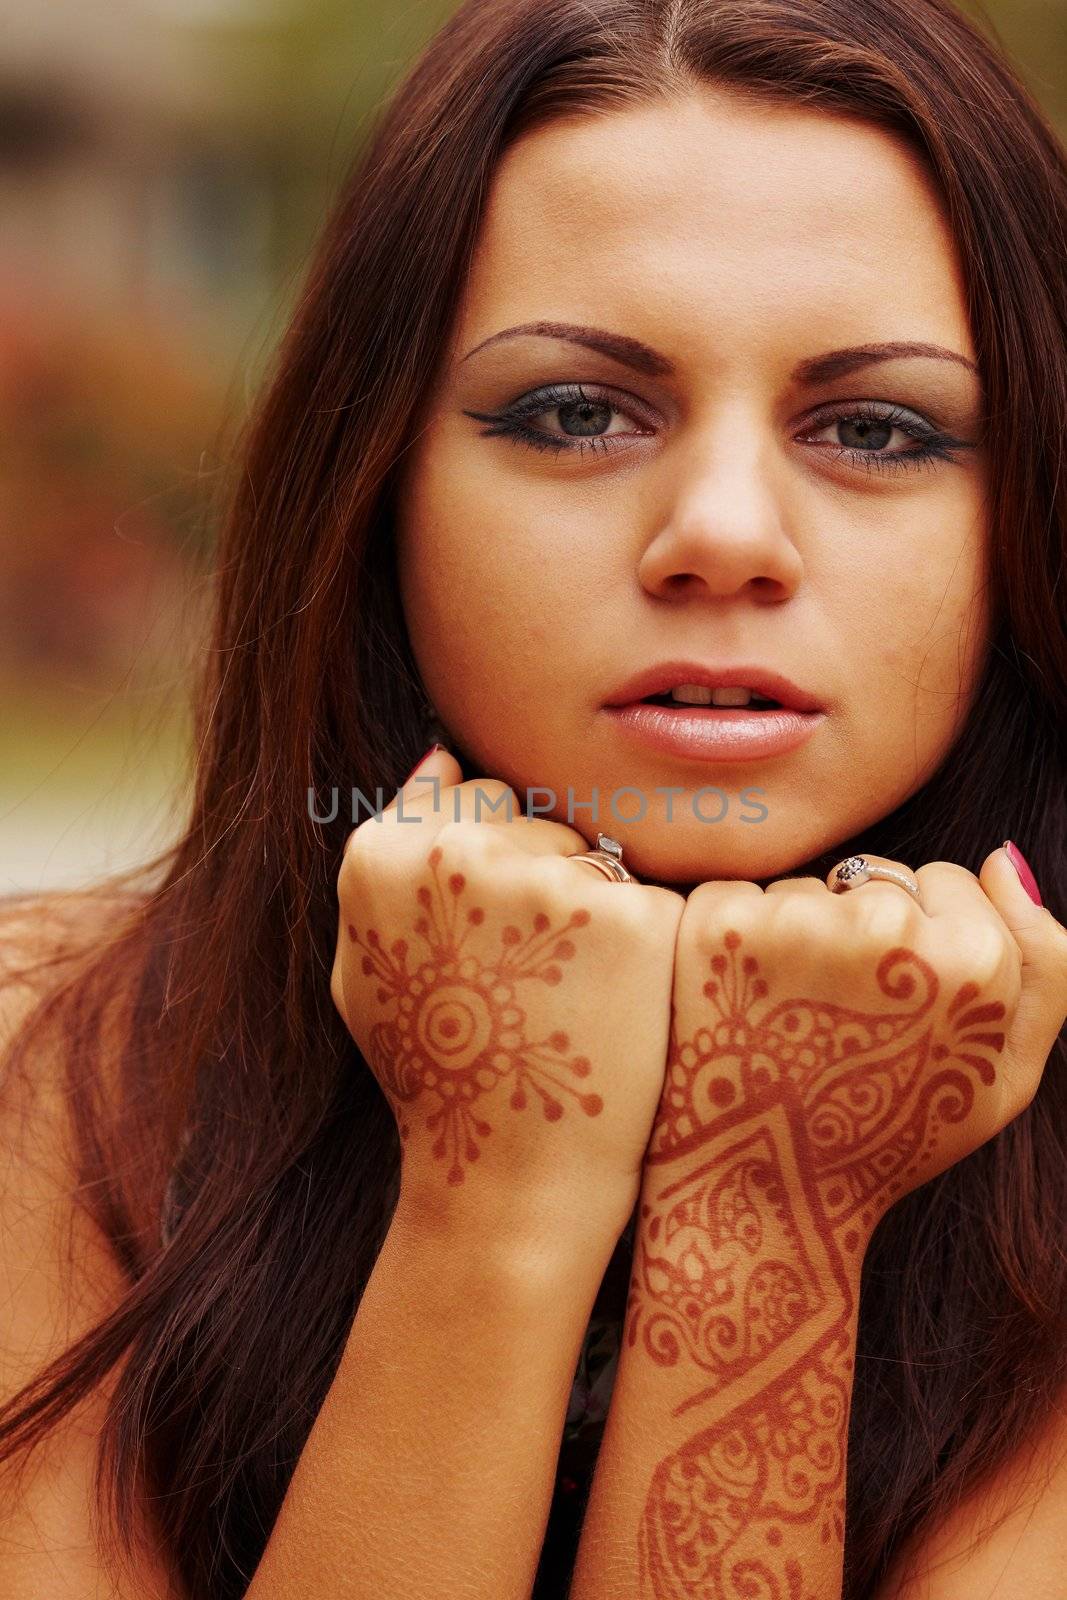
(723, 1507)
(457, 1030)
(782, 1130)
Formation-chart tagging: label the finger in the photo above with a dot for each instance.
(812, 886)
(541, 836)
(478, 800)
(1033, 927)
(970, 918)
(490, 800)
(951, 890)
(1042, 943)
(715, 894)
(422, 787)
(421, 796)
(437, 788)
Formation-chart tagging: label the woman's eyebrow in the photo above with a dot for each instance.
(839, 363)
(641, 358)
(630, 352)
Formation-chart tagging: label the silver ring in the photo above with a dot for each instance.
(607, 858)
(855, 870)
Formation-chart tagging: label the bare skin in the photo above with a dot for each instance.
(713, 518)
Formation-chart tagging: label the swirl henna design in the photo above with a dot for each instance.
(706, 1282)
(782, 1130)
(457, 1031)
(723, 1507)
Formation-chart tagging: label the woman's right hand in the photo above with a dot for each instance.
(514, 1006)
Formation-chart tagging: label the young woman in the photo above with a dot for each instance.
(359, 1158)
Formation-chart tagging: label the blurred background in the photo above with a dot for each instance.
(165, 167)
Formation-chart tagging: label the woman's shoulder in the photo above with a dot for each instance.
(36, 1170)
(58, 1273)
(43, 936)
(1007, 1537)
(39, 932)
(45, 940)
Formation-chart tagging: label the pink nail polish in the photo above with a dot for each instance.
(419, 762)
(1026, 877)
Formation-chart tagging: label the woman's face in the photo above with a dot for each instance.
(703, 488)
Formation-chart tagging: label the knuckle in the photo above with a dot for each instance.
(975, 948)
(793, 918)
(650, 915)
(665, 905)
(452, 837)
(714, 909)
(367, 850)
(889, 918)
(581, 886)
(785, 887)
(471, 844)
(637, 921)
(933, 872)
(989, 957)
(488, 859)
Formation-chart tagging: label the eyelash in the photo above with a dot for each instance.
(511, 423)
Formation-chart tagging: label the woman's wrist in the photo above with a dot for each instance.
(543, 1243)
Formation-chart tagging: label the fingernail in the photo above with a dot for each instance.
(419, 762)
(1026, 877)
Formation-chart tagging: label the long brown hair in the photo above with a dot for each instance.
(217, 963)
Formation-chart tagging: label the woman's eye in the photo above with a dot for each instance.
(881, 438)
(568, 417)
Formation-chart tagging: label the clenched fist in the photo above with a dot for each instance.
(828, 1053)
(513, 1005)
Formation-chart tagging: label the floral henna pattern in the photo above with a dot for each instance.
(457, 1030)
(781, 1131)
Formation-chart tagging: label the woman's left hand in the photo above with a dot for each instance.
(828, 1053)
(871, 1040)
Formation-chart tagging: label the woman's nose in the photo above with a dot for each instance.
(725, 530)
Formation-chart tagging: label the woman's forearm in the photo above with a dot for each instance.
(722, 1468)
(789, 1122)
(430, 1467)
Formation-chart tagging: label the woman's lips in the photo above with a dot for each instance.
(715, 733)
